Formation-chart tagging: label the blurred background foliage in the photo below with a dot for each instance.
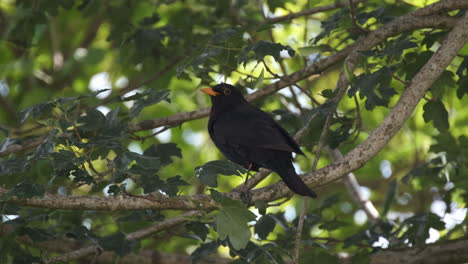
(75, 74)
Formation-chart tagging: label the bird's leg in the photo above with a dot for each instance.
(246, 191)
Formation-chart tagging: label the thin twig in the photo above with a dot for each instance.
(353, 18)
(142, 138)
(137, 84)
(300, 226)
(323, 138)
(311, 11)
(353, 188)
(405, 83)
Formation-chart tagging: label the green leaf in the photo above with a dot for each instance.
(375, 87)
(462, 87)
(307, 51)
(446, 143)
(444, 83)
(435, 221)
(65, 161)
(204, 251)
(462, 70)
(151, 183)
(418, 226)
(261, 206)
(171, 186)
(264, 226)
(13, 166)
(145, 163)
(262, 49)
(117, 243)
(435, 111)
(36, 111)
(330, 201)
(150, 20)
(198, 228)
(429, 170)
(25, 190)
(348, 73)
(259, 80)
(82, 177)
(93, 120)
(231, 221)
(332, 225)
(164, 152)
(395, 48)
(378, 14)
(150, 97)
(274, 4)
(209, 172)
(413, 62)
(328, 93)
(342, 133)
(340, 20)
(115, 189)
(360, 258)
(36, 234)
(319, 255)
(431, 38)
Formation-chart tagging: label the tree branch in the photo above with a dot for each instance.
(353, 187)
(318, 152)
(408, 24)
(361, 154)
(353, 160)
(444, 253)
(312, 11)
(114, 203)
(30, 144)
(89, 250)
(411, 21)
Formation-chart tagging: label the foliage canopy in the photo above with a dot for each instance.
(104, 148)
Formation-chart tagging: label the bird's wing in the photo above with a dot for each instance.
(251, 127)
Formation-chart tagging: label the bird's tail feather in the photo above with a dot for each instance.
(293, 181)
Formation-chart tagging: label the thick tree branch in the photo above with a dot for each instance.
(74, 248)
(353, 160)
(440, 7)
(444, 253)
(397, 27)
(356, 158)
(152, 257)
(111, 203)
(179, 118)
(27, 145)
(410, 23)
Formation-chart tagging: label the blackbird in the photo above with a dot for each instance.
(251, 138)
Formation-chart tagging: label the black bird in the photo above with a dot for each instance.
(251, 138)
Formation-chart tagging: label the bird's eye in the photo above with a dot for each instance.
(227, 91)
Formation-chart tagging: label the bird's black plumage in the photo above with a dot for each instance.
(251, 138)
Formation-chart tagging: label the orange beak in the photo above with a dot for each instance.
(209, 91)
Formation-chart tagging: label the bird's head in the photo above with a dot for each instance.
(224, 96)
